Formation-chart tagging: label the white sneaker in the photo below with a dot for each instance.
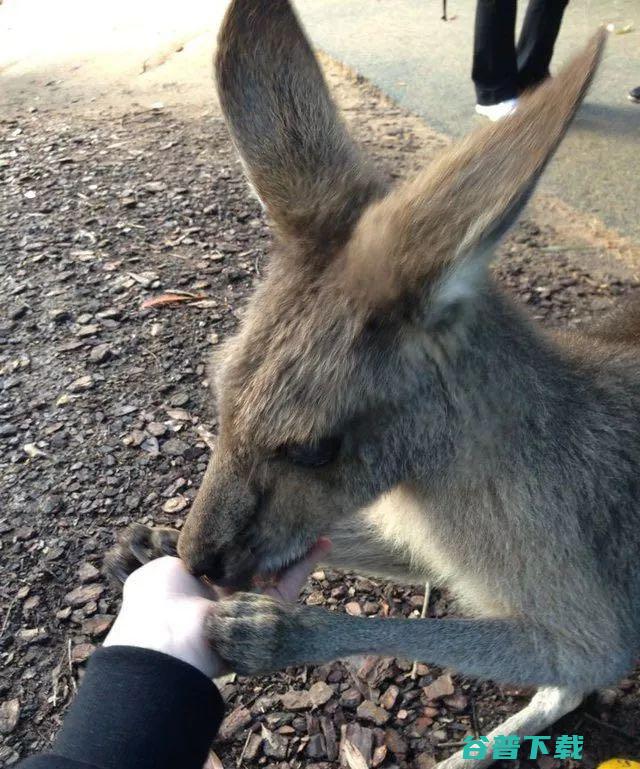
(496, 112)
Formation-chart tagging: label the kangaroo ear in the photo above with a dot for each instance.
(295, 148)
(438, 231)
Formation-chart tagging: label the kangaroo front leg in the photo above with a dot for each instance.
(256, 634)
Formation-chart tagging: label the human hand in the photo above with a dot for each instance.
(164, 608)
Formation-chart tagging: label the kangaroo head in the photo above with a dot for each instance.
(366, 292)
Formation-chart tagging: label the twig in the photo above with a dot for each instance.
(423, 614)
(611, 728)
(244, 749)
(450, 744)
(73, 680)
(8, 615)
(474, 719)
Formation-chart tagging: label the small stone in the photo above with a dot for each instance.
(441, 687)
(83, 594)
(81, 384)
(395, 742)
(379, 755)
(179, 399)
(457, 702)
(174, 447)
(273, 744)
(315, 598)
(369, 711)
(88, 572)
(252, 747)
(50, 504)
(316, 746)
(296, 700)
(90, 330)
(233, 723)
(60, 315)
(32, 635)
(180, 415)
(9, 716)
(424, 761)
(63, 614)
(390, 697)
(8, 430)
(151, 446)
(17, 312)
(98, 625)
(354, 609)
(420, 726)
(320, 693)
(81, 653)
(350, 698)
(370, 608)
(100, 353)
(175, 504)
(157, 429)
(318, 575)
(31, 603)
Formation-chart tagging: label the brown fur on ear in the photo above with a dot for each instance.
(456, 210)
(295, 148)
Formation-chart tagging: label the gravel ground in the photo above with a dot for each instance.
(105, 414)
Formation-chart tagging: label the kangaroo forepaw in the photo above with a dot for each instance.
(136, 546)
(253, 633)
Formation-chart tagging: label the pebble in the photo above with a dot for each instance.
(273, 744)
(175, 504)
(17, 312)
(233, 723)
(98, 625)
(296, 700)
(350, 698)
(390, 697)
(174, 447)
(88, 572)
(81, 384)
(100, 353)
(84, 594)
(439, 688)
(157, 429)
(320, 693)
(9, 715)
(369, 711)
(81, 653)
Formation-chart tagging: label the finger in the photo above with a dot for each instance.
(292, 580)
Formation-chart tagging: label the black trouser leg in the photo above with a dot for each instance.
(494, 70)
(537, 39)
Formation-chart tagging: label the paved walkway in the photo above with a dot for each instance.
(423, 62)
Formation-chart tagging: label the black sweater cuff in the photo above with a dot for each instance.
(140, 709)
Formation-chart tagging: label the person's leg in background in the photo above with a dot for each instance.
(495, 72)
(537, 40)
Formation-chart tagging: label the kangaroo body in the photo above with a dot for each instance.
(381, 388)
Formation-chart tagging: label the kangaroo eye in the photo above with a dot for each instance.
(313, 454)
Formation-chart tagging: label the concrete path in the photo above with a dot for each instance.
(404, 47)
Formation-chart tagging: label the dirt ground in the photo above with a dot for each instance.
(108, 199)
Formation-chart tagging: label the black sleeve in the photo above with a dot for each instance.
(137, 709)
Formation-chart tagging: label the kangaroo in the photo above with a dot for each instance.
(382, 389)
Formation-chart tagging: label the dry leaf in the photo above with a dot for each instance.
(172, 298)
